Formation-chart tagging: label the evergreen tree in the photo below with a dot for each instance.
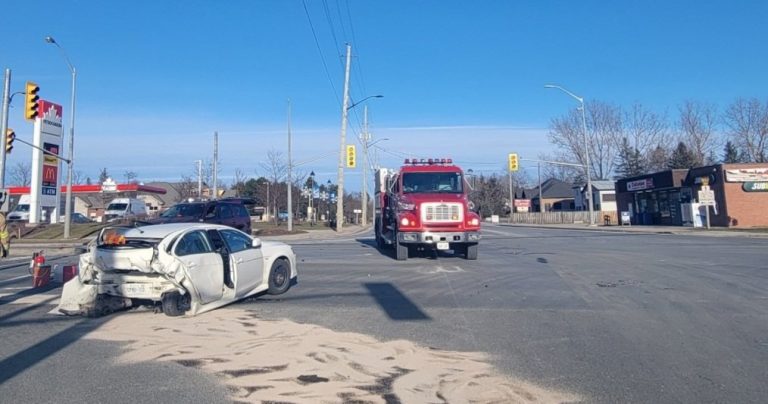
(629, 162)
(731, 153)
(657, 159)
(103, 175)
(682, 157)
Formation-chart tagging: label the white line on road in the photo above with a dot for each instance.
(18, 277)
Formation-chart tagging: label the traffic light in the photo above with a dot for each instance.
(30, 105)
(513, 162)
(10, 136)
(351, 160)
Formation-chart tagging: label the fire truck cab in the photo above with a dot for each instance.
(424, 205)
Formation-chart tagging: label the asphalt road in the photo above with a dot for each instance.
(612, 317)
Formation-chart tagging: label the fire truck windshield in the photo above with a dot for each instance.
(432, 183)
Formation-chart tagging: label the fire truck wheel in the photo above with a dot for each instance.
(471, 252)
(401, 251)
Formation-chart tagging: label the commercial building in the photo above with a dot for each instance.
(679, 197)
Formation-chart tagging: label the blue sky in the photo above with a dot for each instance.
(460, 79)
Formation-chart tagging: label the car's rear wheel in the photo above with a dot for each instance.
(174, 304)
(279, 277)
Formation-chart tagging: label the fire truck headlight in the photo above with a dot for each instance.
(404, 221)
(474, 222)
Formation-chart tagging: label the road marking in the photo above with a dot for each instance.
(500, 233)
(18, 277)
(441, 269)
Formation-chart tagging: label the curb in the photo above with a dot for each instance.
(644, 230)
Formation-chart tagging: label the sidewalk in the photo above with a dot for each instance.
(715, 231)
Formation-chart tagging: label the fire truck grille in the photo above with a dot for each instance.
(441, 212)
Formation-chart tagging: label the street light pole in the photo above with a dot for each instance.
(586, 148)
(71, 148)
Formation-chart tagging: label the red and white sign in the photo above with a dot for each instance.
(522, 203)
(44, 188)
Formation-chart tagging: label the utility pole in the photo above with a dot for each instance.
(364, 138)
(215, 165)
(541, 200)
(511, 198)
(199, 178)
(290, 165)
(344, 110)
(4, 123)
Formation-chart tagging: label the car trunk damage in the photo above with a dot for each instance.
(116, 276)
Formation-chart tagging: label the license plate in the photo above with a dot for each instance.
(442, 245)
(134, 289)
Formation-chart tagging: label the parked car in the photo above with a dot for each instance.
(21, 212)
(186, 269)
(125, 209)
(76, 218)
(229, 212)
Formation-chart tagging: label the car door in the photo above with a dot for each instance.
(204, 266)
(247, 261)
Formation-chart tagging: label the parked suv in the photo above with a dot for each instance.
(229, 212)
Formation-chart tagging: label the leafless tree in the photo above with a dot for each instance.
(21, 174)
(604, 128)
(239, 182)
(563, 173)
(187, 188)
(78, 177)
(646, 131)
(747, 123)
(489, 194)
(130, 176)
(697, 130)
(276, 169)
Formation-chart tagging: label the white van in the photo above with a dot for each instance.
(21, 212)
(125, 209)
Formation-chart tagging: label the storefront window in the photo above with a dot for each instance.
(664, 204)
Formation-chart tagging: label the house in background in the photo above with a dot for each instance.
(603, 192)
(556, 196)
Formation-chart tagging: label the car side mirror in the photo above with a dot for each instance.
(256, 243)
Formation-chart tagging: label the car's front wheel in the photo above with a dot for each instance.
(279, 277)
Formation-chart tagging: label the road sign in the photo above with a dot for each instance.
(707, 197)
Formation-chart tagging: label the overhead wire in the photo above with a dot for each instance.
(329, 20)
(320, 50)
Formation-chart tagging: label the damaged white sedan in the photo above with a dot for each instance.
(183, 268)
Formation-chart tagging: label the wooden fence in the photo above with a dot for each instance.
(560, 218)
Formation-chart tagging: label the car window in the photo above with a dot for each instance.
(211, 212)
(241, 211)
(193, 243)
(225, 211)
(236, 241)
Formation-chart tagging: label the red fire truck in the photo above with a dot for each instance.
(424, 205)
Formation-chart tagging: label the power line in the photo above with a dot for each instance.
(333, 30)
(317, 43)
